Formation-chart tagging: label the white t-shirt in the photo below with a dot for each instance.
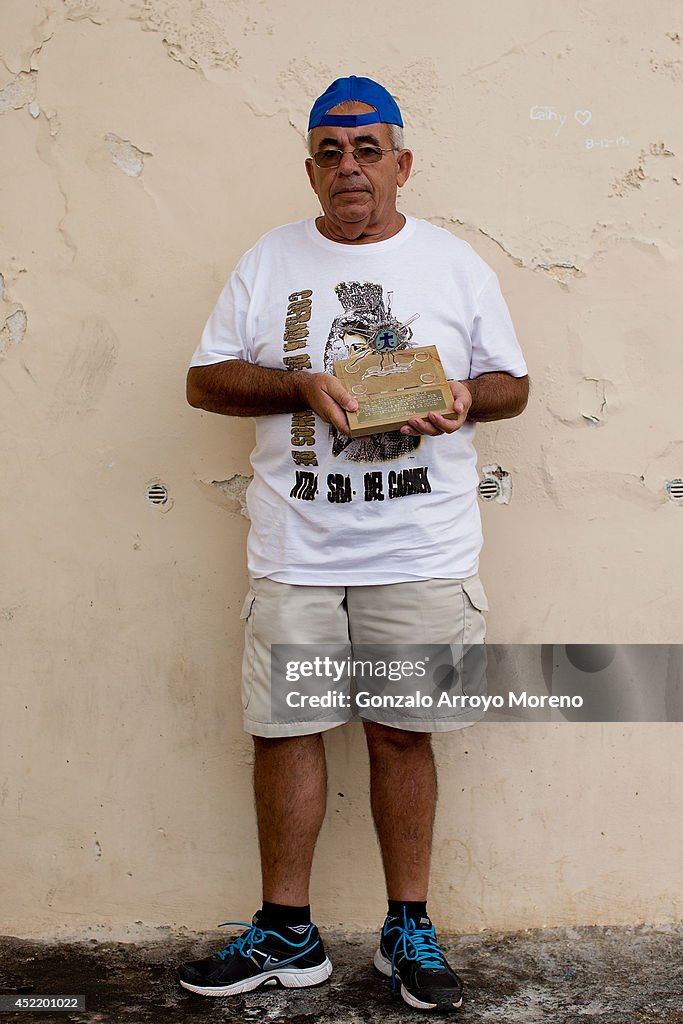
(326, 509)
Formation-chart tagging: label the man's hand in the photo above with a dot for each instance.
(327, 396)
(434, 423)
(490, 396)
(234, 387)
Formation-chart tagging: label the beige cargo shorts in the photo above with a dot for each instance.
(337, 622)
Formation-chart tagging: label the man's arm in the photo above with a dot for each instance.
(237, 388)
(497, 396)
(491, 396)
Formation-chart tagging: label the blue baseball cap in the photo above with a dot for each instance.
(362, 90)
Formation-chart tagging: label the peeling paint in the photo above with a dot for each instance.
(596, 397)
(560, 270)
(235, 489)
(517, 260)
(26, 26)
(659, 149)
(19, 92)
(54, 124)
(125, 155)
(635, 176)
(420, 78)
(230, 494)
(10, 275)
(630, 180)
(81, 10)
(565, 266)
(303, 74)
(13, 331)
(45, 30)
(193, 34)
(299, 79)
(593, 399)
(258, 112)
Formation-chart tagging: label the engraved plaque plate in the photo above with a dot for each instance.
(392, 386)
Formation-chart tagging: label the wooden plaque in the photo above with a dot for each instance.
(392, 387)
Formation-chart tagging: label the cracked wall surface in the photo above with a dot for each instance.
(144, 146)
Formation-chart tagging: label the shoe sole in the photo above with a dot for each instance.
(287, 978)
(384, 967)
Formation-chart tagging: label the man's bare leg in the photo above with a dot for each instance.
(290, 785)
(290, 791)
(403, 800)
(403, 797)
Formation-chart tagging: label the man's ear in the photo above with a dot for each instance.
(405, 166)
(311, 174)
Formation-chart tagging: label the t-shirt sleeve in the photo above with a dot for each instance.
(225, 335)
(494, 343)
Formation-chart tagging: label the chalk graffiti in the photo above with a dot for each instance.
(546, 112)
(606, 143)
(540, 112)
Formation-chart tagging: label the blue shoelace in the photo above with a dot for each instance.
(415, 944)
(244, 944)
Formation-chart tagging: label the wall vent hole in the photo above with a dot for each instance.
(674, 488)
(489, 488)
(157, 494)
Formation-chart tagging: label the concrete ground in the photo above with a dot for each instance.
(606, 975)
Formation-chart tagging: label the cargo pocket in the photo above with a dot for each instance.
(248, 668)
(476, 605)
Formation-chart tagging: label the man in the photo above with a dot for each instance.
(387, 552)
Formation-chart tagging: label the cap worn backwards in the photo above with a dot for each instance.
(362, 90)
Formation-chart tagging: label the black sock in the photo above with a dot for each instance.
(277, 915)
(413, 908)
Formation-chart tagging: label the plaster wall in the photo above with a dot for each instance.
(144, 145)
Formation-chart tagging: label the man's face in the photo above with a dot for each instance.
(352, 193)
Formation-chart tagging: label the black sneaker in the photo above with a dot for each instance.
(293, 958)
(409, 954)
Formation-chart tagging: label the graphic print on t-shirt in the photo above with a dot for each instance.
(366, 317)
(366, 325)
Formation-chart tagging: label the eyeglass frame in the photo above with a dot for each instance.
(343, 152)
